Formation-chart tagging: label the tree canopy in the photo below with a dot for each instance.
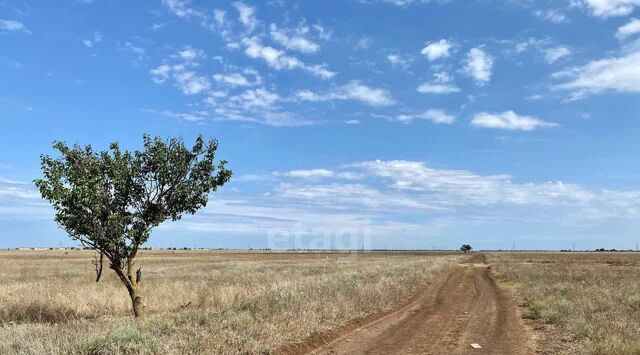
(111, 200)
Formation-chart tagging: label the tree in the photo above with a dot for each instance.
(466, 248)
(109, 201)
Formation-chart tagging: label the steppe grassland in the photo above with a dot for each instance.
(579, 303)
(198, 302)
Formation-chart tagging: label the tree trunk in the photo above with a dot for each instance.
(136, 302)
(134, 290)
(131, 281)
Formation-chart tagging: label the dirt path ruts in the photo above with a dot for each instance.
(464, 306)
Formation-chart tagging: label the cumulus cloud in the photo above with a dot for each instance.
(190, 54)
(186, 80)
(478, 65)
(433, 115)
(279, 60)
(309, 174)
(440, 85)
(553, 54)
(509, 120)
(12, 25)
(552, 15)
(363, 43)
(183, 74)
(609, 8)
(398, 61)
(96, 38)
(461, 187)
(294, 39)
(259, 105)
(182, 8)
(354, 90)
(260, 97)
(437, 50)
(20, 199)
(189, 82)
(247, 15)
(621, 74)
(389, 193)
(185, 116)
(239, 79)
(629, 29)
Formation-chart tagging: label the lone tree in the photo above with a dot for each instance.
(110, 200)
(466, 248)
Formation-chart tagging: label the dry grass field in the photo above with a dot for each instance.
(579, 303)
(198, 302)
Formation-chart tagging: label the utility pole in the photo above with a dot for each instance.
(573, 246)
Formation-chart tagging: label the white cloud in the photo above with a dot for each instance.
(185, 116)
(629, 29)
(550, 51)
(398, 61)
(478, 65)
(310, 174)
(352, 122)
(388, 194)
(437, 88)
(21, 199)
(190, 54)
(509, 120)
(160, 74)
(433, 115)
(437, 50)
(322, 33)
(554, 54)
(608, 8)
(258, 105)
(347, 195)
(294, 41)
(620, 74)
(441, 85)
(140, 52)
(400, 2)
(12, 25)
(247, 15)
(260, 97)
(354, 90)
(363, 43)
(461, 187)
(279, 60)
(97, 38)
(239, 79)
(189, 81)
(183, 74)
(552, 15)
(181, 8)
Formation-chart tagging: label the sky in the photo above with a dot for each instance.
(377, 123)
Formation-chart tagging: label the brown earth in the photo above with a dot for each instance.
(462, 307)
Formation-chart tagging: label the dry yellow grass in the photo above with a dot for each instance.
(197, 302)
(580, 303)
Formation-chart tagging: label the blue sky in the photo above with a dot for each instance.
(409, 124)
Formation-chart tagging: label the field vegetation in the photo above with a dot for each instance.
(197, 301)
(578, 303)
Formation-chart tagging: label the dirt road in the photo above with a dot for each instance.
(464, 306)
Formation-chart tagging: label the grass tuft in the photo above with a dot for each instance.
(125, 340)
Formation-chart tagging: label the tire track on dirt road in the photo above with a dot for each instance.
(464, 306)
